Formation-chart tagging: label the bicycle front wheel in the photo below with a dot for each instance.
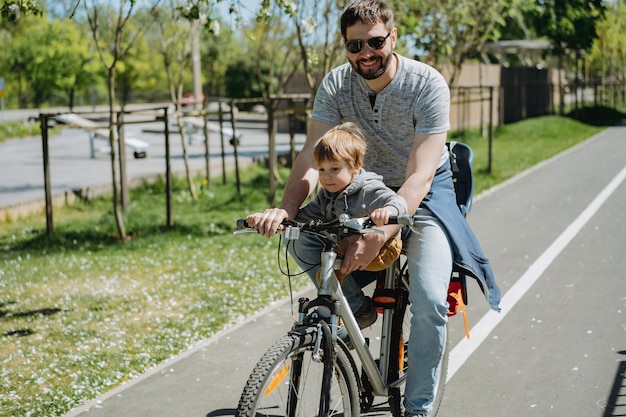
(287, 381)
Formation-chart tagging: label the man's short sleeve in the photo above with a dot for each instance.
(326, 105)
(432, 110)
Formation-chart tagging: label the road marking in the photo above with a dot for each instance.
(489, 321)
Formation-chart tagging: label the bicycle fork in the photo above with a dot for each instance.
(329, 287)
(330, 295)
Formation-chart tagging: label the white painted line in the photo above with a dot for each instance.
(489, 321)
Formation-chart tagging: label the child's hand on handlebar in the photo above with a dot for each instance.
(380, 216)
(268, 222)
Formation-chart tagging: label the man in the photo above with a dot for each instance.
(403, 108)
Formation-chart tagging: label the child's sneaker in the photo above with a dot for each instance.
(366, 315)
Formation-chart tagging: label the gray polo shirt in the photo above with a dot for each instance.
(417, 101)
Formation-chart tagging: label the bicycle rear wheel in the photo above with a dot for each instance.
(288, 382)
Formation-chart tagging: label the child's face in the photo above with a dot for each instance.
(335, 176)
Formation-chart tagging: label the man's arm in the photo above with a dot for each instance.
(421, 168)
(302, 181)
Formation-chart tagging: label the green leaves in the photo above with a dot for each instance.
(14, 9)
(449, 31)
(570, 24)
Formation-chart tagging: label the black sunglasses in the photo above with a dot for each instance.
(357, 45)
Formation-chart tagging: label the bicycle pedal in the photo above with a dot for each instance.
(385, 299)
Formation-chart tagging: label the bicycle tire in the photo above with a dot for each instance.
(400, 334)
(266, 392)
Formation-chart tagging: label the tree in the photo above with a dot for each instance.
(516, 24)
(314, 26)
(65, 69)
(138, 72)
(319, 37)
(14, 9)
(15, 60)
(40, 62)
(217, 52)
(607, 56)
(275, 63)
(449, 31)
(113, 39)
(243, 80)
(569, 24)
(173, 37)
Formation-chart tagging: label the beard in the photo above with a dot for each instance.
(371, 73)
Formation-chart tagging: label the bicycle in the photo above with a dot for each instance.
(311, 371)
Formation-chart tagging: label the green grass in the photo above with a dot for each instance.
(521, 145)
(81, 312)
(16, 130)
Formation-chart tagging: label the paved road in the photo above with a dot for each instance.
(72, 168)
(556, 237)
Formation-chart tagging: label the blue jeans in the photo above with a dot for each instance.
(306, 252)
(430, 266)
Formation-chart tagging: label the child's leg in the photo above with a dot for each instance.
(306, 252)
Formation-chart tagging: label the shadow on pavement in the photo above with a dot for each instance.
(222, 412)
(616, 403)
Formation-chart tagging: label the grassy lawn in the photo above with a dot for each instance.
(12, 130)
(521, 145)
(81, 313)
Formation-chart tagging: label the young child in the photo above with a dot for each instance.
(347, 188)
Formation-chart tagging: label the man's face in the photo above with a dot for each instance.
(370, 62)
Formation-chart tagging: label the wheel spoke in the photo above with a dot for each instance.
(288, 382)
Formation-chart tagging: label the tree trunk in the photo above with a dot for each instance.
(119, 221)
(183, 142)
(121, 148)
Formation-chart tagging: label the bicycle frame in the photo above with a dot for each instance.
(330, 296)
(329, 287)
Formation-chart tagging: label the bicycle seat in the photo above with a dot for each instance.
(461, 159)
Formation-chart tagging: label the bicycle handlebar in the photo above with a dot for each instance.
(344, 225)
(242, 224)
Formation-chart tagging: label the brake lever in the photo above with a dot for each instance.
(356, 223)
(374, 230)
(242, 231)
(359, 224)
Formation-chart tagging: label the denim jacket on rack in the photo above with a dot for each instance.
(467, 254)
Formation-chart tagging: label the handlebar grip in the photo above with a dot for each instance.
(242, 224)
(403, 219)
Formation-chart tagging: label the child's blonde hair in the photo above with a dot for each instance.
(341, 143)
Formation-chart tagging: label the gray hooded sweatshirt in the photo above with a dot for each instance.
(366, 193)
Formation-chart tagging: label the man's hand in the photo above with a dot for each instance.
(268, 222)
(361, 251)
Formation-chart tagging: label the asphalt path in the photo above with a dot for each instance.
(72, 170)
(556, 236)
